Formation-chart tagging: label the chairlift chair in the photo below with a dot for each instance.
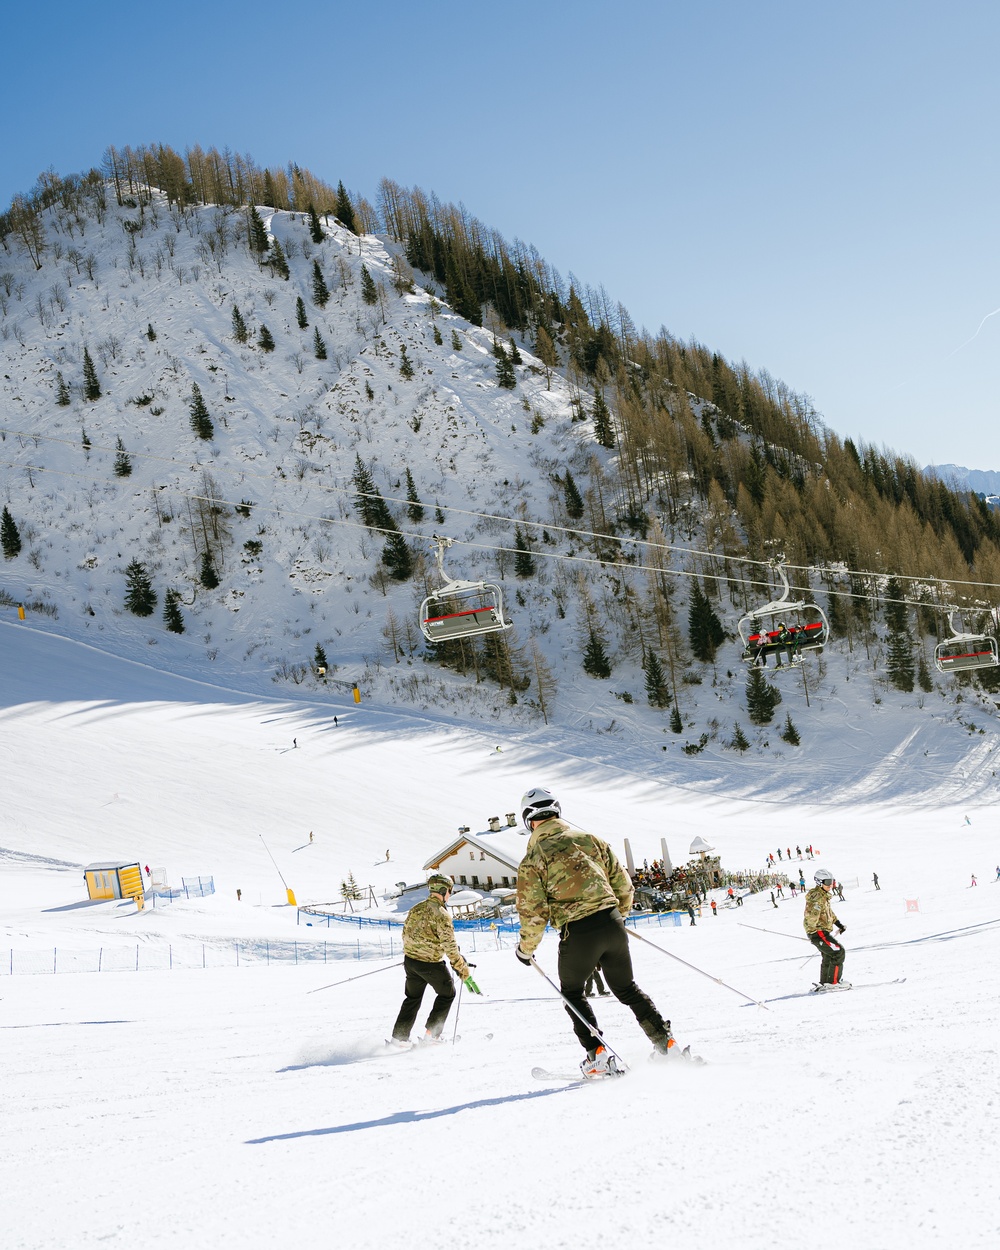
(461, 609)
(962, 652)
(805, 623)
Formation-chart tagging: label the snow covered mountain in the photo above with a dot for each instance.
(232, 410)
(982, 481)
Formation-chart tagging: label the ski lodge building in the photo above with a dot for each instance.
(483, 861)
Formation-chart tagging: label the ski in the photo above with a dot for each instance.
(867, 985)
(570, 1078)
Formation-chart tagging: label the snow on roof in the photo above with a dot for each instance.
(699, 846)
(506, 845)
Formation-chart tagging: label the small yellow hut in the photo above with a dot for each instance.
(114, 880)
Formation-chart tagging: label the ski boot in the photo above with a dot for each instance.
(600, 1063)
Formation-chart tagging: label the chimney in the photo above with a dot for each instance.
(494, 824)
(463, 828)
(512, 820)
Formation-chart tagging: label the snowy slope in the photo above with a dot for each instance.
(229, 1107)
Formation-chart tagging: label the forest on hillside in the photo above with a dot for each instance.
(702, 447)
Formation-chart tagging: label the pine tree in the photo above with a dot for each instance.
(10, 536)
(201, 422)
(790, 734)
(545, 684)
(257, 233)
(437, 335)
(762, 698)
(344, 209)
(899, 660)
(172, 617)
(595, 657)
(265, 339)
(315, 229)
(676, 724)
(397, 558)
(514, 355)
(456, 342)
(924, 680)
(506, 377)
(369, 291)
(372, 508)
(123, 462)
(739, 741)
(240, 331)
(300, 313)
(656, 683)
(574, 501)
(208, 578)
(319, 345)
(705, 632)
(545, 350)
(320, 661)
(62, 392)
(91, 386)
(150, 333)
(524, 561)
(278, 261)
(405, 363)
(896, 614)
(604, 430)
(414, 508)
(140, 597)
(321, 293)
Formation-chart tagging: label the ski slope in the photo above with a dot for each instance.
(228, 1106)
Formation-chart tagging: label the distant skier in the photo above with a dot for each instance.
(715, 910)
(878, 887)
(819, 919)
(690, 912)
(310, 835)
(573, 881)
(974, 881)
(798, 851)
(429, 938)
(998, 872)
(596, 985)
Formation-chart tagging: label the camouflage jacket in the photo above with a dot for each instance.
(566, 874)
(819, 913)
(429, 934)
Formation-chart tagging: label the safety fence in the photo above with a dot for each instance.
(380, 939)
(190, 887)
(318, 916)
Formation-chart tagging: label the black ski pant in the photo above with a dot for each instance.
(601, 939)
(831, 969)
(420, 974)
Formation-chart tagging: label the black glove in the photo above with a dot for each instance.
(841, 927)
(470, 965)
(527, 960)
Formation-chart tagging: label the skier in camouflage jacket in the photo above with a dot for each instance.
(573, 881)
(429, 939)
(819, 921)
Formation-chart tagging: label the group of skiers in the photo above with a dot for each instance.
(573, 881)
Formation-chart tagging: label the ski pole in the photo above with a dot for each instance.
(582, 1018)
(458, 1008)
(796, 936)
(718, 981)
(397, 964)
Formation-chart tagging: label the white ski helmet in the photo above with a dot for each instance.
(537, 804)
(823, 877)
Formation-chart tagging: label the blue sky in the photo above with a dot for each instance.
(811, 188)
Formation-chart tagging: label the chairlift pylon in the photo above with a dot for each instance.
(784, 625)
(460, 609)
(962, 652)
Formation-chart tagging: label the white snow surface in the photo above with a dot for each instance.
(227, 1106)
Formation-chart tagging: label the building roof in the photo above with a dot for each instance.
(505, 845)
(111, 865)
